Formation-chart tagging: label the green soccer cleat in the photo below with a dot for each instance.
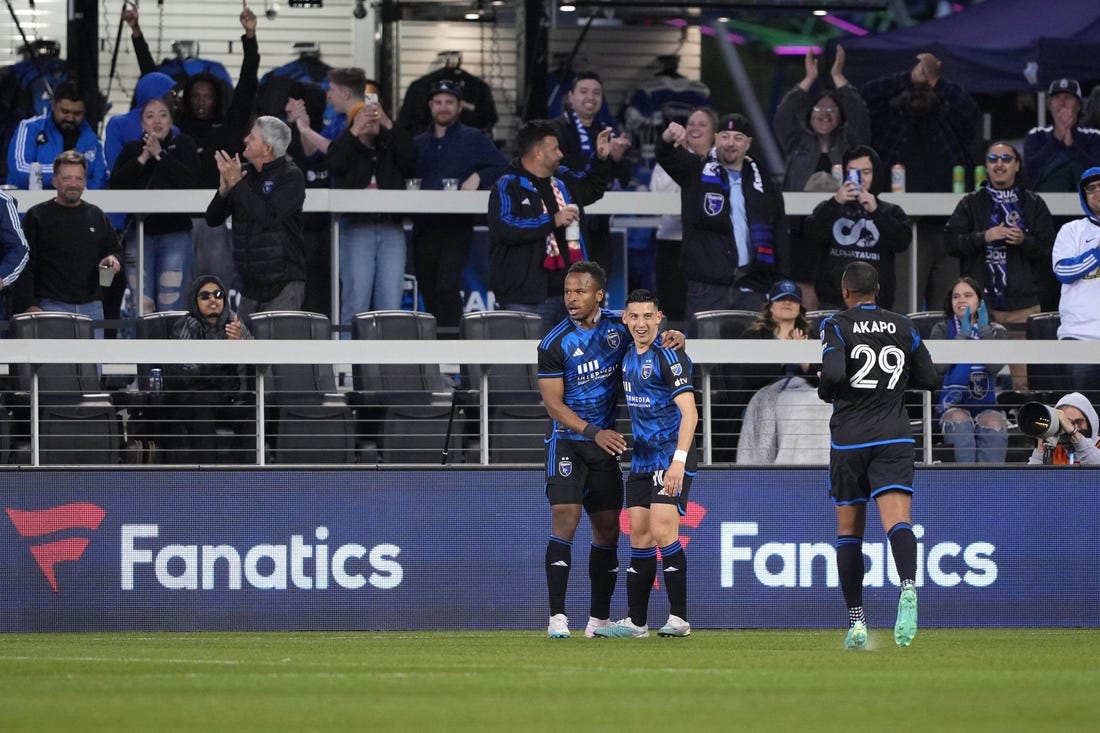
(906, 627)
(857, 636)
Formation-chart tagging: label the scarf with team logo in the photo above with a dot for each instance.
(716, 192)
(1006, 210)
(554, 259)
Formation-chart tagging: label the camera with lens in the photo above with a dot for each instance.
(1037, 420)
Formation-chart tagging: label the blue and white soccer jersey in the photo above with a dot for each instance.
(588, 362)
(651, 382)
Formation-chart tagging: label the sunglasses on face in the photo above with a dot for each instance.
(208, 294)
(1003, 157)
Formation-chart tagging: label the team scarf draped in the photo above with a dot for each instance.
(586, 141)
(1006, 210)
(967, 386)
(761, 233)
(554, 259)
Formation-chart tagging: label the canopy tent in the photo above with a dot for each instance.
(994, 47)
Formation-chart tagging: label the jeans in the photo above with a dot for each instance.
(93, 309)
(551, 311)
(167, 275)
(213, 251)
(372, 265)
(983, 439)
(288, 299)
(703, 296)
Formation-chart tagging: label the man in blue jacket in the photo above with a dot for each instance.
(41, 139)
(14, 252)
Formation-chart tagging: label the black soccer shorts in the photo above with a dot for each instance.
(581, 472)
(860, 474)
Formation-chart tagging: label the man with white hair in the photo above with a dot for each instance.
(1077, 443)
(265, 199)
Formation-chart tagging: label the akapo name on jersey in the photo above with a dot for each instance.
(263, 566)
(873, 327)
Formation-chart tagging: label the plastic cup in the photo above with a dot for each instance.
(412, 184)
(106, 276)
(450, 184)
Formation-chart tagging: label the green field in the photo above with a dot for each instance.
(800, 680)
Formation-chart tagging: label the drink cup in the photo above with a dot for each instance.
(412, 184)
(450, 184)
(106, 276)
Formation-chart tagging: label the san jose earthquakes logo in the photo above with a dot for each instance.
(268, 187)
(647, 370)
(713, 203)
(613, 339)
(565, 467)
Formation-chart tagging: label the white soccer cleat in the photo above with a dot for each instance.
(675, 626)
(624, 629)
(595, 623)
(558, 628)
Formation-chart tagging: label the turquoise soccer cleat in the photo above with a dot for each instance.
(906, 626)
(624, 629)
(857, 636)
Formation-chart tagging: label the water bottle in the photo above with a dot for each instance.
(573, 231)
(156, 380)
(897, 178)
(35, 183)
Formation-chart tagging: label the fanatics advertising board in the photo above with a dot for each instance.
(463, 549)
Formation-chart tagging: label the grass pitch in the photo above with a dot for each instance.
(801, 680)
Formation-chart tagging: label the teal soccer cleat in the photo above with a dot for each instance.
(906, 627)
(857, 636)
(624, 629)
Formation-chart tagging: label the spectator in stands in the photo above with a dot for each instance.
(346, 88)
(530, 209)
(1078, 442)
(441, 242)
(967, 406)
(14, 253)
(208, 396)
(577, 128)
(1002, 235)
(71, 242)
(1091, 116)
(265, 199)
(166, 161)
(854, 224)
(926, 123)
(371, 153)
(1076, 258)
(216, 118)
(701, 129)
(814, 133)
(785, 421)
(735, 226)
(316, 225)
(125, 128)
(1055, 156)
(41, 139)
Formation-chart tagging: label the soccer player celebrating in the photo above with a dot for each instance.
(663, 416)
(579, 368)
(870, 356)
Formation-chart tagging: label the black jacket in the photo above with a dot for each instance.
(519, 224)
(266, 206)
(391, 160)
(177, 168)
(709, 254)
(964, 237)
(212, 384)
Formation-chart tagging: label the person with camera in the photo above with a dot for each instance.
(967, 405)
(1066, 434)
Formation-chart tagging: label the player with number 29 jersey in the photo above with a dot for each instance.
(870, 356)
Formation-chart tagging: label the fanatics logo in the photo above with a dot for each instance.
(48, 521)
(565, 467)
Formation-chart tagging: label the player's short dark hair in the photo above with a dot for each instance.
(641, 295)
(351, 77)
(68, 90)
(585, 75)
(531, 134)
(860, 278)
(588, 267)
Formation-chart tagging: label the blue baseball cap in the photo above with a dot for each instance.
(784, 289)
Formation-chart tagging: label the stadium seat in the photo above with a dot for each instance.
(309, 421)
(1044, 380)
(402, 407)
(816, 317)
(517, 419)
(150, 428)
(925, 321)
(729, 395)
(77, 423)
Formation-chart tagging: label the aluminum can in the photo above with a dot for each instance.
(897, 178)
